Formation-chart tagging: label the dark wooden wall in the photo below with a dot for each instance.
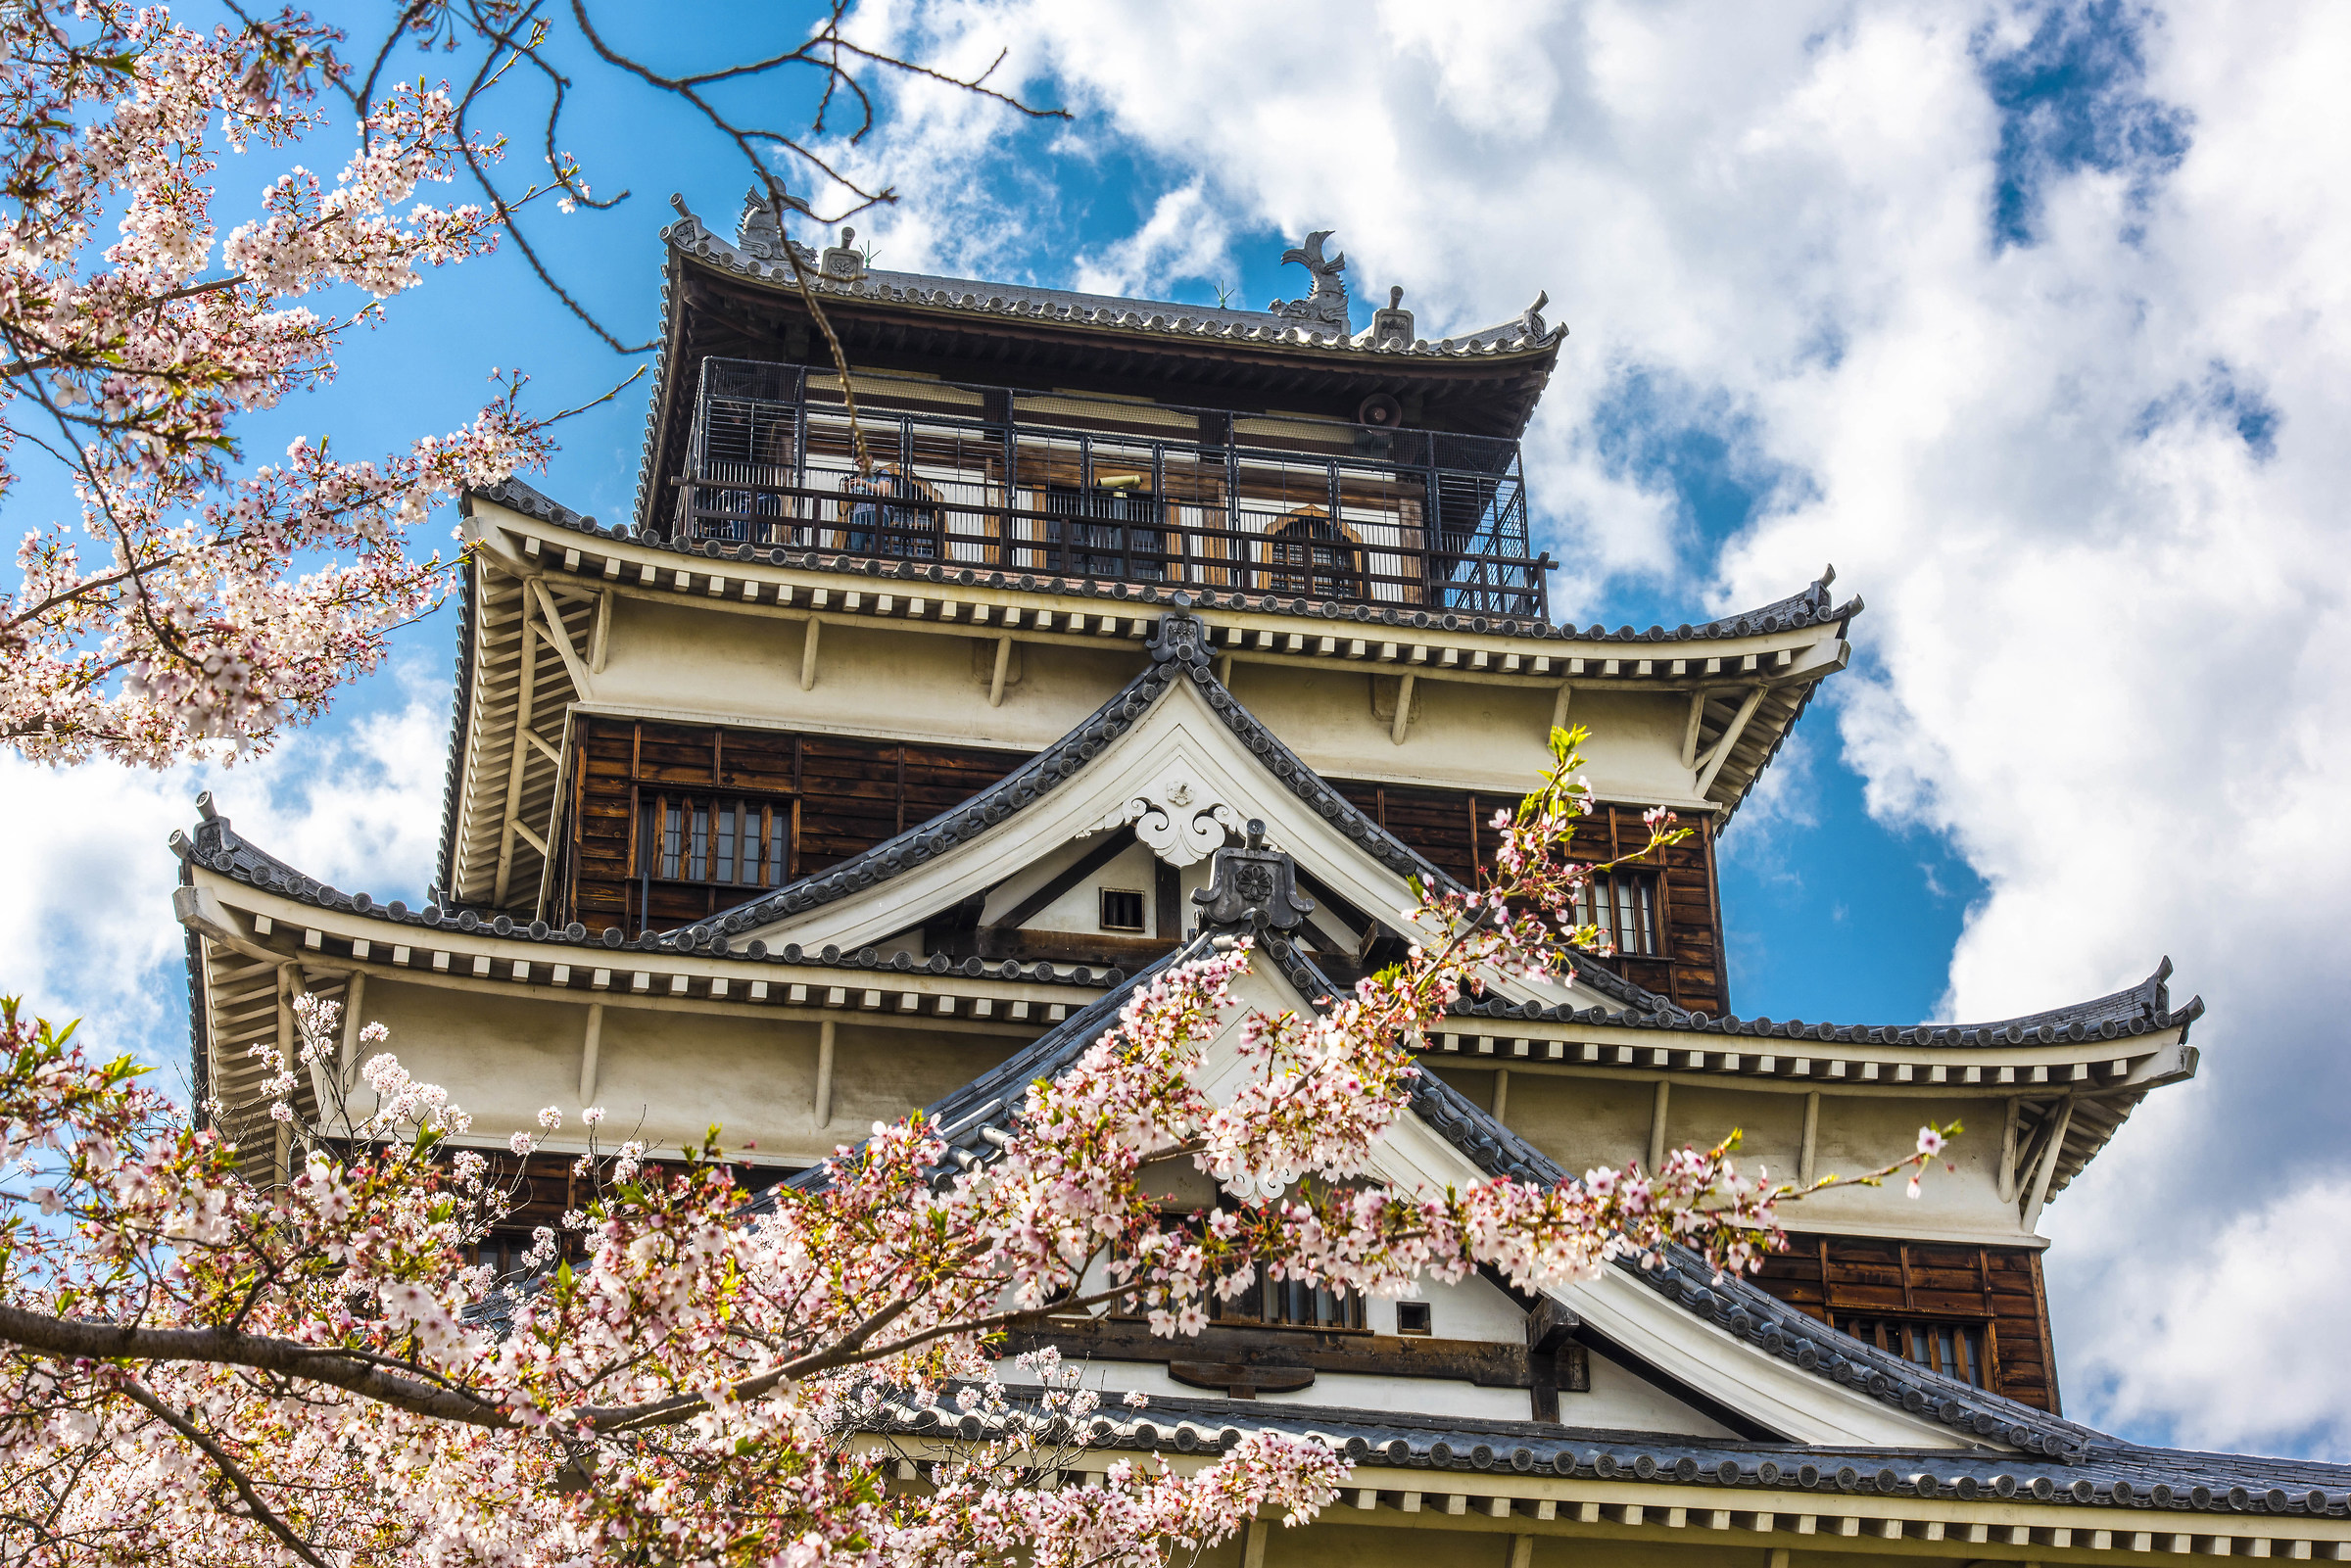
(840, 797)
(1995, 1289)
(1453, 828)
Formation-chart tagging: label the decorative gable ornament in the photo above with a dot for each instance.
(1176, 820)
(1254, 886)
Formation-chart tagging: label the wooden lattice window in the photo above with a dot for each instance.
(1121, 910)
(1625, 905)
(731, 840)
(1290, 1303)
(1314, 558)
(1955, 1349)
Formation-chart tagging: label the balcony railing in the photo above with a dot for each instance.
(1112, 489)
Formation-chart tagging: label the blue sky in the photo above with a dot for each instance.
(2028, 316)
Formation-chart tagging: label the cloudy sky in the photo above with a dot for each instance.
(2029, 318)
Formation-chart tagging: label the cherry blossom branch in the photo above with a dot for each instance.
(255, 1510)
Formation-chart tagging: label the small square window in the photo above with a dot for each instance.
(1121, 910)
(1411, 1318)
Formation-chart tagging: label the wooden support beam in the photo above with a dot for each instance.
(1253, 1546)
(1720, 752)
(600, 644)
(2005, 1174)
(1811, 1145)
(1698, 715)
(1404, 708)
(2048, 1163)
(824, 1073)
(1501, 1094)
(559, 638)
(591, 1046)
(1656, 1127)
(526, 692)
(1523, 1551)
(815, 628)
(1559, 708)
(545, 750)
(995, 682)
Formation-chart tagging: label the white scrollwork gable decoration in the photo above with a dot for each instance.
(1174, 819)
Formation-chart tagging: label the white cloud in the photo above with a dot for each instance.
(2091, 484)
(88, 931)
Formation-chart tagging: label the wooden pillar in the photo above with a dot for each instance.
(1811, 1147)
(809, 653)
(1501, 1093)
(591, 1049)
(1253, 1546)
(525, 691)
(1656, 1126)
(824, 1073)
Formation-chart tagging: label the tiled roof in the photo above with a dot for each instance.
(1177, 652)
(2143, 1009)
(218, 847)
(1683, 1277)
(972, 296)
(2103, 1473)
(1814, 606)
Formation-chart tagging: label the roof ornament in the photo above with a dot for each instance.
(1325, 309)
(760, 233)
(1392, 327)
(844, 263)
(1254, 886)
(1533, 319)
(1176, 818)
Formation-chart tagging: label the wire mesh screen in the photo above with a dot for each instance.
(1110, 490)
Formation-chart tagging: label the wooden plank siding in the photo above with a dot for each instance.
(1995, 1290)
(1452, 828)
(830, 797)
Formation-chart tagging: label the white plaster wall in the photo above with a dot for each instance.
(668, 1077)
(873, 680)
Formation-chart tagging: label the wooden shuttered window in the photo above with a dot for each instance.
(1975, 1312)
(672, 823)
(1664, 912)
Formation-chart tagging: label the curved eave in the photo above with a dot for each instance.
(1792, 640)
(1515, 1478)
(1490, 379)
(519, 537)
(250, 915)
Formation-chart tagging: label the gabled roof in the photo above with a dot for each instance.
(1179, 654)
(1684, 1280)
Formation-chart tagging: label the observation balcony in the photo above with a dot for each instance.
(1110, 489)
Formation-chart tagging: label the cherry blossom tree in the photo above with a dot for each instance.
(194, 602)
(196, 1368)
(199, 604)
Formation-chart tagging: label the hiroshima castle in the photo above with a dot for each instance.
(909, 722)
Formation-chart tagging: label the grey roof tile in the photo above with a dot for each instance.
(2103, 1473)
(1814, 606)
